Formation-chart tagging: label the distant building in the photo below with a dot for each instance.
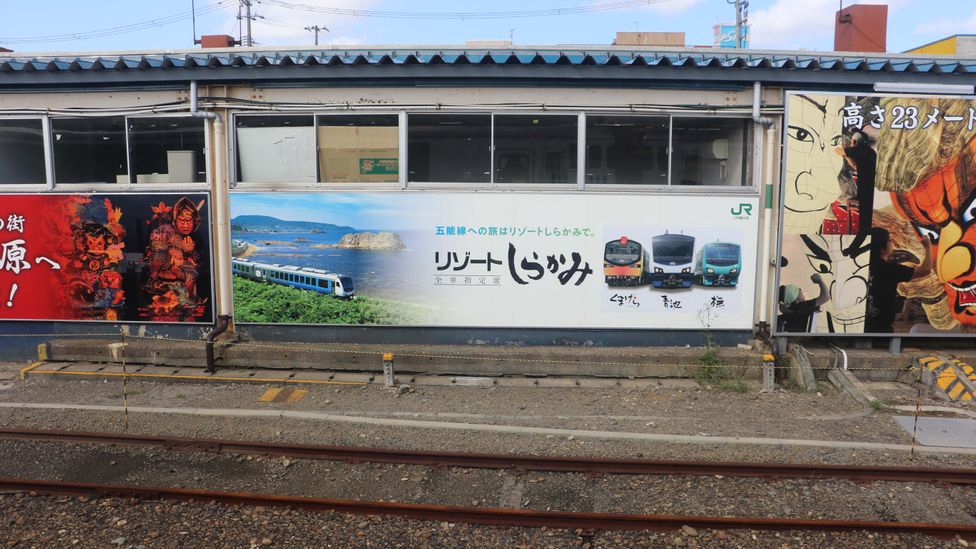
(675, 39)
(957, 44)
(725, 35)
(861, 27)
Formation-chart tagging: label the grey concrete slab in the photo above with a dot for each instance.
(941, 431)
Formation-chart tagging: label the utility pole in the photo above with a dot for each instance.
(741, 19)
(316, 29)
(246, 4)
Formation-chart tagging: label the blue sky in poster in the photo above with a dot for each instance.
(360, 211)
(69, 25)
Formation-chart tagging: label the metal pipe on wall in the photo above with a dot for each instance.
(765, 192)
(766, 264)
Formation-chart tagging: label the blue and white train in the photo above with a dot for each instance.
(305, 278)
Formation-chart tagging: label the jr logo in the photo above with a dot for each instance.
(742, 209)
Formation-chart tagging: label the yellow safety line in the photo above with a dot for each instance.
(217, 378)
(270, 394)
(24, 371)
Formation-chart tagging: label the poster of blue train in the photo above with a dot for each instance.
(879, 202)
(494, 259)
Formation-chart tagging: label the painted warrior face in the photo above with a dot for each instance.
(842, 261)
(185, 221)
(812, 165)
(942, 207)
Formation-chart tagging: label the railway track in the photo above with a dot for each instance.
(526, 463)
(497, 517)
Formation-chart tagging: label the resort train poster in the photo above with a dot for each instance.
(494, 260)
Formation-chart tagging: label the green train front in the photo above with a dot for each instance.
(718, 264)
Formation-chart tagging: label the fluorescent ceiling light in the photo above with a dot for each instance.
(914, 87)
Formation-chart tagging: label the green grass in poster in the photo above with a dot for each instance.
(263, 302)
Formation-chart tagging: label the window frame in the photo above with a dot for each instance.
(207, 144)
(48, 183)
(582, 114)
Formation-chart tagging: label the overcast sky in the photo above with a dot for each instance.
(109, 25)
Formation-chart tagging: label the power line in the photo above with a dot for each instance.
(570, 10)
(121, 29)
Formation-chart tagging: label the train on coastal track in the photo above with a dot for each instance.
(304, 278)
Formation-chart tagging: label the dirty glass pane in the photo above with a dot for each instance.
(627, 150)
(449, 148)
(535, 149)
(276, 149)
(89, 150)
(709, 151)
(167, 150)
(21, 152)
(359, 148)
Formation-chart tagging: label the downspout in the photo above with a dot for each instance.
(220, 209)
(767, 192)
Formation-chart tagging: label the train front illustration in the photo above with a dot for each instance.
(671, 262)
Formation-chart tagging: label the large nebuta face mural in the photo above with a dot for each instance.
(841, 263)
(813, 166)
(942, 208)
(903, 171)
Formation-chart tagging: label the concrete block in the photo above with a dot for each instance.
(848, 383)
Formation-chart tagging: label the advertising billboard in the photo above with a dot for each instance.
(568, 260)
(879, 200)
(725, 36)
(105, 257)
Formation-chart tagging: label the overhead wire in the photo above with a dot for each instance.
(569, 10)
(121, 29)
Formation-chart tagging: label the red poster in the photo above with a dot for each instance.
(126, 258)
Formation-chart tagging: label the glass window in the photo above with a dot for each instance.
(167, 150)
(359, 149)
(21, 151)
(709, 151)
(627, 150)
(535, 149)
(89, 150)
(449, 148)
(276, 149)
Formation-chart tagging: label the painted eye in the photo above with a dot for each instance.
(819, 265)
(800, 134)
(925, 231)
(969, 211)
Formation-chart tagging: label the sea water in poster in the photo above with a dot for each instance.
(505, 259)
(105, 257)
(879, 203)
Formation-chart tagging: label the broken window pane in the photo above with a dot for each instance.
(89, 150)
(167, 150)
(21, 151)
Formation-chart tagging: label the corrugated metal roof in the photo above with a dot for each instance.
(231, 64)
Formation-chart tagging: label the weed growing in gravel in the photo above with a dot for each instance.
(709, 367)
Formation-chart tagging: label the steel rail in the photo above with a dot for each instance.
(589, 465)
(489, 516)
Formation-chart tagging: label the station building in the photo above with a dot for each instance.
(596, 195)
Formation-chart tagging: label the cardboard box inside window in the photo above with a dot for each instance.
(366, 154)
